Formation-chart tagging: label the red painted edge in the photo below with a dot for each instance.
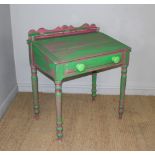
(71, 71)
(58, 90)
(43, 33)
(58, 84)
(53, 73)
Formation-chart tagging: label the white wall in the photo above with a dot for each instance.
(8, 84)
(132, 24)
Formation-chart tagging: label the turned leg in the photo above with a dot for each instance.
(58, 94)
(122, 90)
(94, 75)
(35, 91)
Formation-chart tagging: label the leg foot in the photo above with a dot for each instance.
(36, 117)
(59, 140)
(93, 98)
(59, 134)
(120, 115)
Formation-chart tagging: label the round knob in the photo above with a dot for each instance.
(116, 59)
(80, 67)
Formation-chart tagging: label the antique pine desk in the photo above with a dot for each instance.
(68, 51)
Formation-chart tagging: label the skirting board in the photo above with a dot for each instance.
(86, 89)
(5, 104)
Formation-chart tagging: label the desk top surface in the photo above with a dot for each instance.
(69, 48)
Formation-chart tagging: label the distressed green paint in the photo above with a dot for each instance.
(58, 94)
(35, 91)
(59, 120)
(68, 56)
(78, 46)
(58, 87)
(40, 60)
(127, 56)
(59, 128)
(92, 63)
(94, 76)
(122, 90)
(34, 80)
(59, 72)
(59, 135)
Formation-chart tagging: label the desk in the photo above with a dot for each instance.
(69, 52)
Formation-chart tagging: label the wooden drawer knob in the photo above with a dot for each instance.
(80, 67)
(116, 59)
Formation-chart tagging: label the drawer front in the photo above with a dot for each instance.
(88, 65)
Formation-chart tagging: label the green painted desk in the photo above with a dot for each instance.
(70, 52)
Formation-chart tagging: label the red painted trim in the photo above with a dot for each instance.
(58, 84)
(58, 91)
(64, 28)
(46, 58)
(34, 74)
(59, 131)
(53, 73)
(43, 33)
(69, 72)
(123, 57)
(33, 67)
(64, 34)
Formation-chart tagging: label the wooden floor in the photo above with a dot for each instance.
(87, 125)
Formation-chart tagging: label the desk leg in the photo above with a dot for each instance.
(122, 90)
(34, 79)
(58, 94)
(94, 75)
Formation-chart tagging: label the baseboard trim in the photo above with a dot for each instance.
(86, 89)
(73, 88)
(5, 104)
